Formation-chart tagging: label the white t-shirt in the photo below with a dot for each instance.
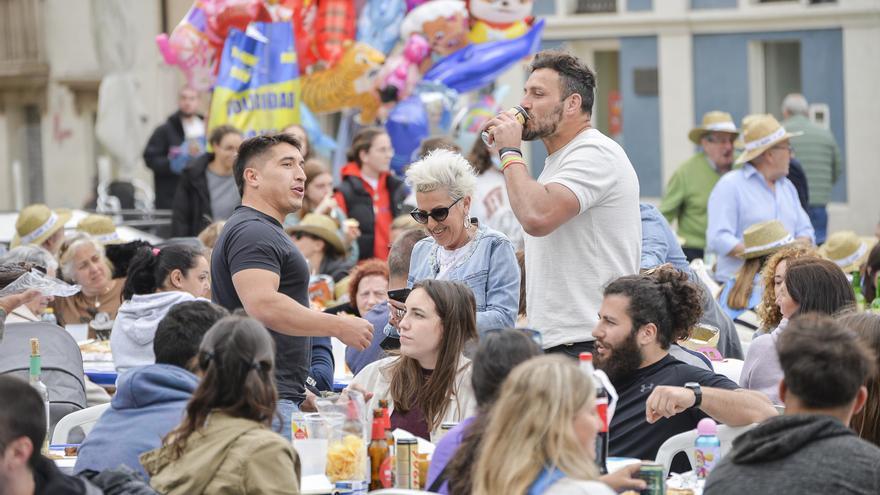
(569, 486)
(193, 127)
(567, 269)
(451, 259)
(491, 205)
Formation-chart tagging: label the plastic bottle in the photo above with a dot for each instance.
(586, 364)
(37, 383)
(49, 316)
(378, 451)
(707, 447)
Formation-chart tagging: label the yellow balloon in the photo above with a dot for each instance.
(348, 84)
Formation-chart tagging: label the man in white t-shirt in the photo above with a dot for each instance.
(581, 216)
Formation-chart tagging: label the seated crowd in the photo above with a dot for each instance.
(221, 341)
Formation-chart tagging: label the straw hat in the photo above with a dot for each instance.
(322, 227)
(760, 133)
(101, 228)
(764, 238)
(846, 250)
(36, 223)
(714, 121)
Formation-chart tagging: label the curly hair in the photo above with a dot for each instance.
(665, 297)
(368, 267)
(767, 309)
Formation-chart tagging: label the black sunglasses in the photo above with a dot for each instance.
(438, 214)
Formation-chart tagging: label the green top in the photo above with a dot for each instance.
(817, 151)
(686, 198)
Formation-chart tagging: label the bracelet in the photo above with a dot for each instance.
(509, 149)
(510, 157)
(508, 163)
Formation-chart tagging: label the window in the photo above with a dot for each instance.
(33, 152)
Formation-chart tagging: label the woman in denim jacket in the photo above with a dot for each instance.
(458, 248)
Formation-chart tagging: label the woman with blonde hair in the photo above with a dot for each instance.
(542, 433)
(84, 262)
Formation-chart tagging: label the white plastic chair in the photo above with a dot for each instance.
(699, 267)
(84, 418)
(684, 442)
(731, 368)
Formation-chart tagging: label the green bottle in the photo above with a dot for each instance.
(857, 288)
(36, 369)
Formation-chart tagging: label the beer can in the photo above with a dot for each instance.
(517, 111)
(351, 487)
(407, 464)
(652, 473)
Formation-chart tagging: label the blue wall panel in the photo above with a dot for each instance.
(641, 113)
(639, 5)
(713, 4)
(721, 76)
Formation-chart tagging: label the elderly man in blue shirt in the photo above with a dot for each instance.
(757, 192)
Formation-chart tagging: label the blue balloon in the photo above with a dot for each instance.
(379, 23)
(407, 126)
(477, 65)
(323, 143)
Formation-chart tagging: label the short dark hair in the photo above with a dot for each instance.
(22, 415)
(436, 142)
(818, 285)
(180, 333)
(500, 351)
(401, 252)
(665, 297)
(255, 147)
(220, 132)
(823, 362)
(574, 75)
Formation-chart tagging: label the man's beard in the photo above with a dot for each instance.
(622, 360)
(535, 130)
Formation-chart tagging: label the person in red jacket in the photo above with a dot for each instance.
(369, 193)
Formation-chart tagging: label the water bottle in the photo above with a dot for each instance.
(707, 448)
(49, 316)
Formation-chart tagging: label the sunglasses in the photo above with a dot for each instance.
(438, 214)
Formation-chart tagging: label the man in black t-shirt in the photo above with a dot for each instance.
(256, 266)
(659, 396)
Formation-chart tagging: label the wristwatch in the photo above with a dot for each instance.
(698, 393)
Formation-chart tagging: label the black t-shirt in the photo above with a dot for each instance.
(630, 433)
(252, 239)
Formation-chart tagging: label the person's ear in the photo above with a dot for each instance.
(466, 203)
(647, 334)
(252, 177)
(18, 452)
(861, 399)
(175, 278)
(782, 390)
(573, 104)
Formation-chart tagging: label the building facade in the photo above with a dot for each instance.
(662, 63)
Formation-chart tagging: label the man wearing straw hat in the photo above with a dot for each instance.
(687, 192)
(40, 226)
(757, 192)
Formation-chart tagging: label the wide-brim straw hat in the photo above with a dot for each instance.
(36, 223)
(764, 238)
(847, 250)
(759, 134)
(101, 228)
(714, 121)
(322, 227)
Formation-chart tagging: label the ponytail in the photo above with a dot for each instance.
(665, 297)
(150, 267)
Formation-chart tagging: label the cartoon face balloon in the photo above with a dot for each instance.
(444, 23)
(502, 12)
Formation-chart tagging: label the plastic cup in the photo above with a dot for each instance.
(312, 455)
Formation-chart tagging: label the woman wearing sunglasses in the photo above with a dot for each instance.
(458, 247)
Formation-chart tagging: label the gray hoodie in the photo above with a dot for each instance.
(135, 327)
(802, 453)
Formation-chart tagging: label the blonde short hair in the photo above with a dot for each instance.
(442, 169)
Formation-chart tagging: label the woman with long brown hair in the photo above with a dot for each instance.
(866, 422)
(429, 382)
(541, 433)
(225, 444)
(772, 277)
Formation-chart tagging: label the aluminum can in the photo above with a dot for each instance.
(652, 473)
(517, 111)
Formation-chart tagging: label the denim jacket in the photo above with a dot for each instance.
(490, 270)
